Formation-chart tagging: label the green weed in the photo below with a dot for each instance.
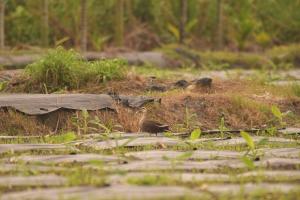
(62, 69)
(252, 154)
(222, 127)
(296, 89)
(62, 138)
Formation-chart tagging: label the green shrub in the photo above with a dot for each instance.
(285, 55)
(63, 69)
(57, 69)
(296, 89)
(105, 70)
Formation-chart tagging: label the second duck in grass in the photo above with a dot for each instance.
(150, 126)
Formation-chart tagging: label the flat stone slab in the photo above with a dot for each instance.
(265, 175)
(17, 137)
(240, 140)
(290, 131)
(114, 192)
(66, 158)
(143, 141)
(132, 142)
(5, 168)
(234, 189)
(281, 163)
(208, 165)
(27, 147)
(282, 152)
(183, 177)
(162, 165)
(30, 181)
(38, 104)
(195, 155)
(273, 175)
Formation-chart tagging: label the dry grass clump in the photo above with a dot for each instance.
(207, 110)
(132, 85)
(242, 103)
(15, 123)
(128, 119)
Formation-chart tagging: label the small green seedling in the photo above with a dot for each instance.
(222, 127)
(62, 138)
(252, 153)
(278, 115)
(3, 86)
(189, 119)
(195, 134)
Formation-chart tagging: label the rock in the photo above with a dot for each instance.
(181, 84)
(30, 181)
(204, 82)
(114, 192)
(66, 158)
(235, 189)
(240, 140)
(290, 175)
(186, 166)
(195, 155)
(134, 101)
(131, 142)
(282, 152)
(180, 177)
(158, 88)
(290, 131)
(142, 141)
(26, 147)
(6, 168)
(281, 163)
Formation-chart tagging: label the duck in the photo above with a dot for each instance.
(150, 126)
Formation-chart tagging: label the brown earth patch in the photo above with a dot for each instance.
(243, 104)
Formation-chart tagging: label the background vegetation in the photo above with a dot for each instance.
(251, 25)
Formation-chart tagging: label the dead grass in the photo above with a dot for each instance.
(15, 123)
(242, 103)
(133, 84)
(208, 110)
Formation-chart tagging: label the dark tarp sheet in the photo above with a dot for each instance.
(132, 101)
(38, 104)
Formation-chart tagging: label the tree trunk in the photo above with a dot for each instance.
(84, 27)
(2, 33)
(183, 20)
(219, 29)
(45, 26)
(131, 19)
(119, 27)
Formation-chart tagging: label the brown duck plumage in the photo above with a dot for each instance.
(150, 126)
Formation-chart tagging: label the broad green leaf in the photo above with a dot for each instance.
(248, 162)
(195, 134)
(276, 112)
(248, 139)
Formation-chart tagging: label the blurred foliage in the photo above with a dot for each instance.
(248, 24)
